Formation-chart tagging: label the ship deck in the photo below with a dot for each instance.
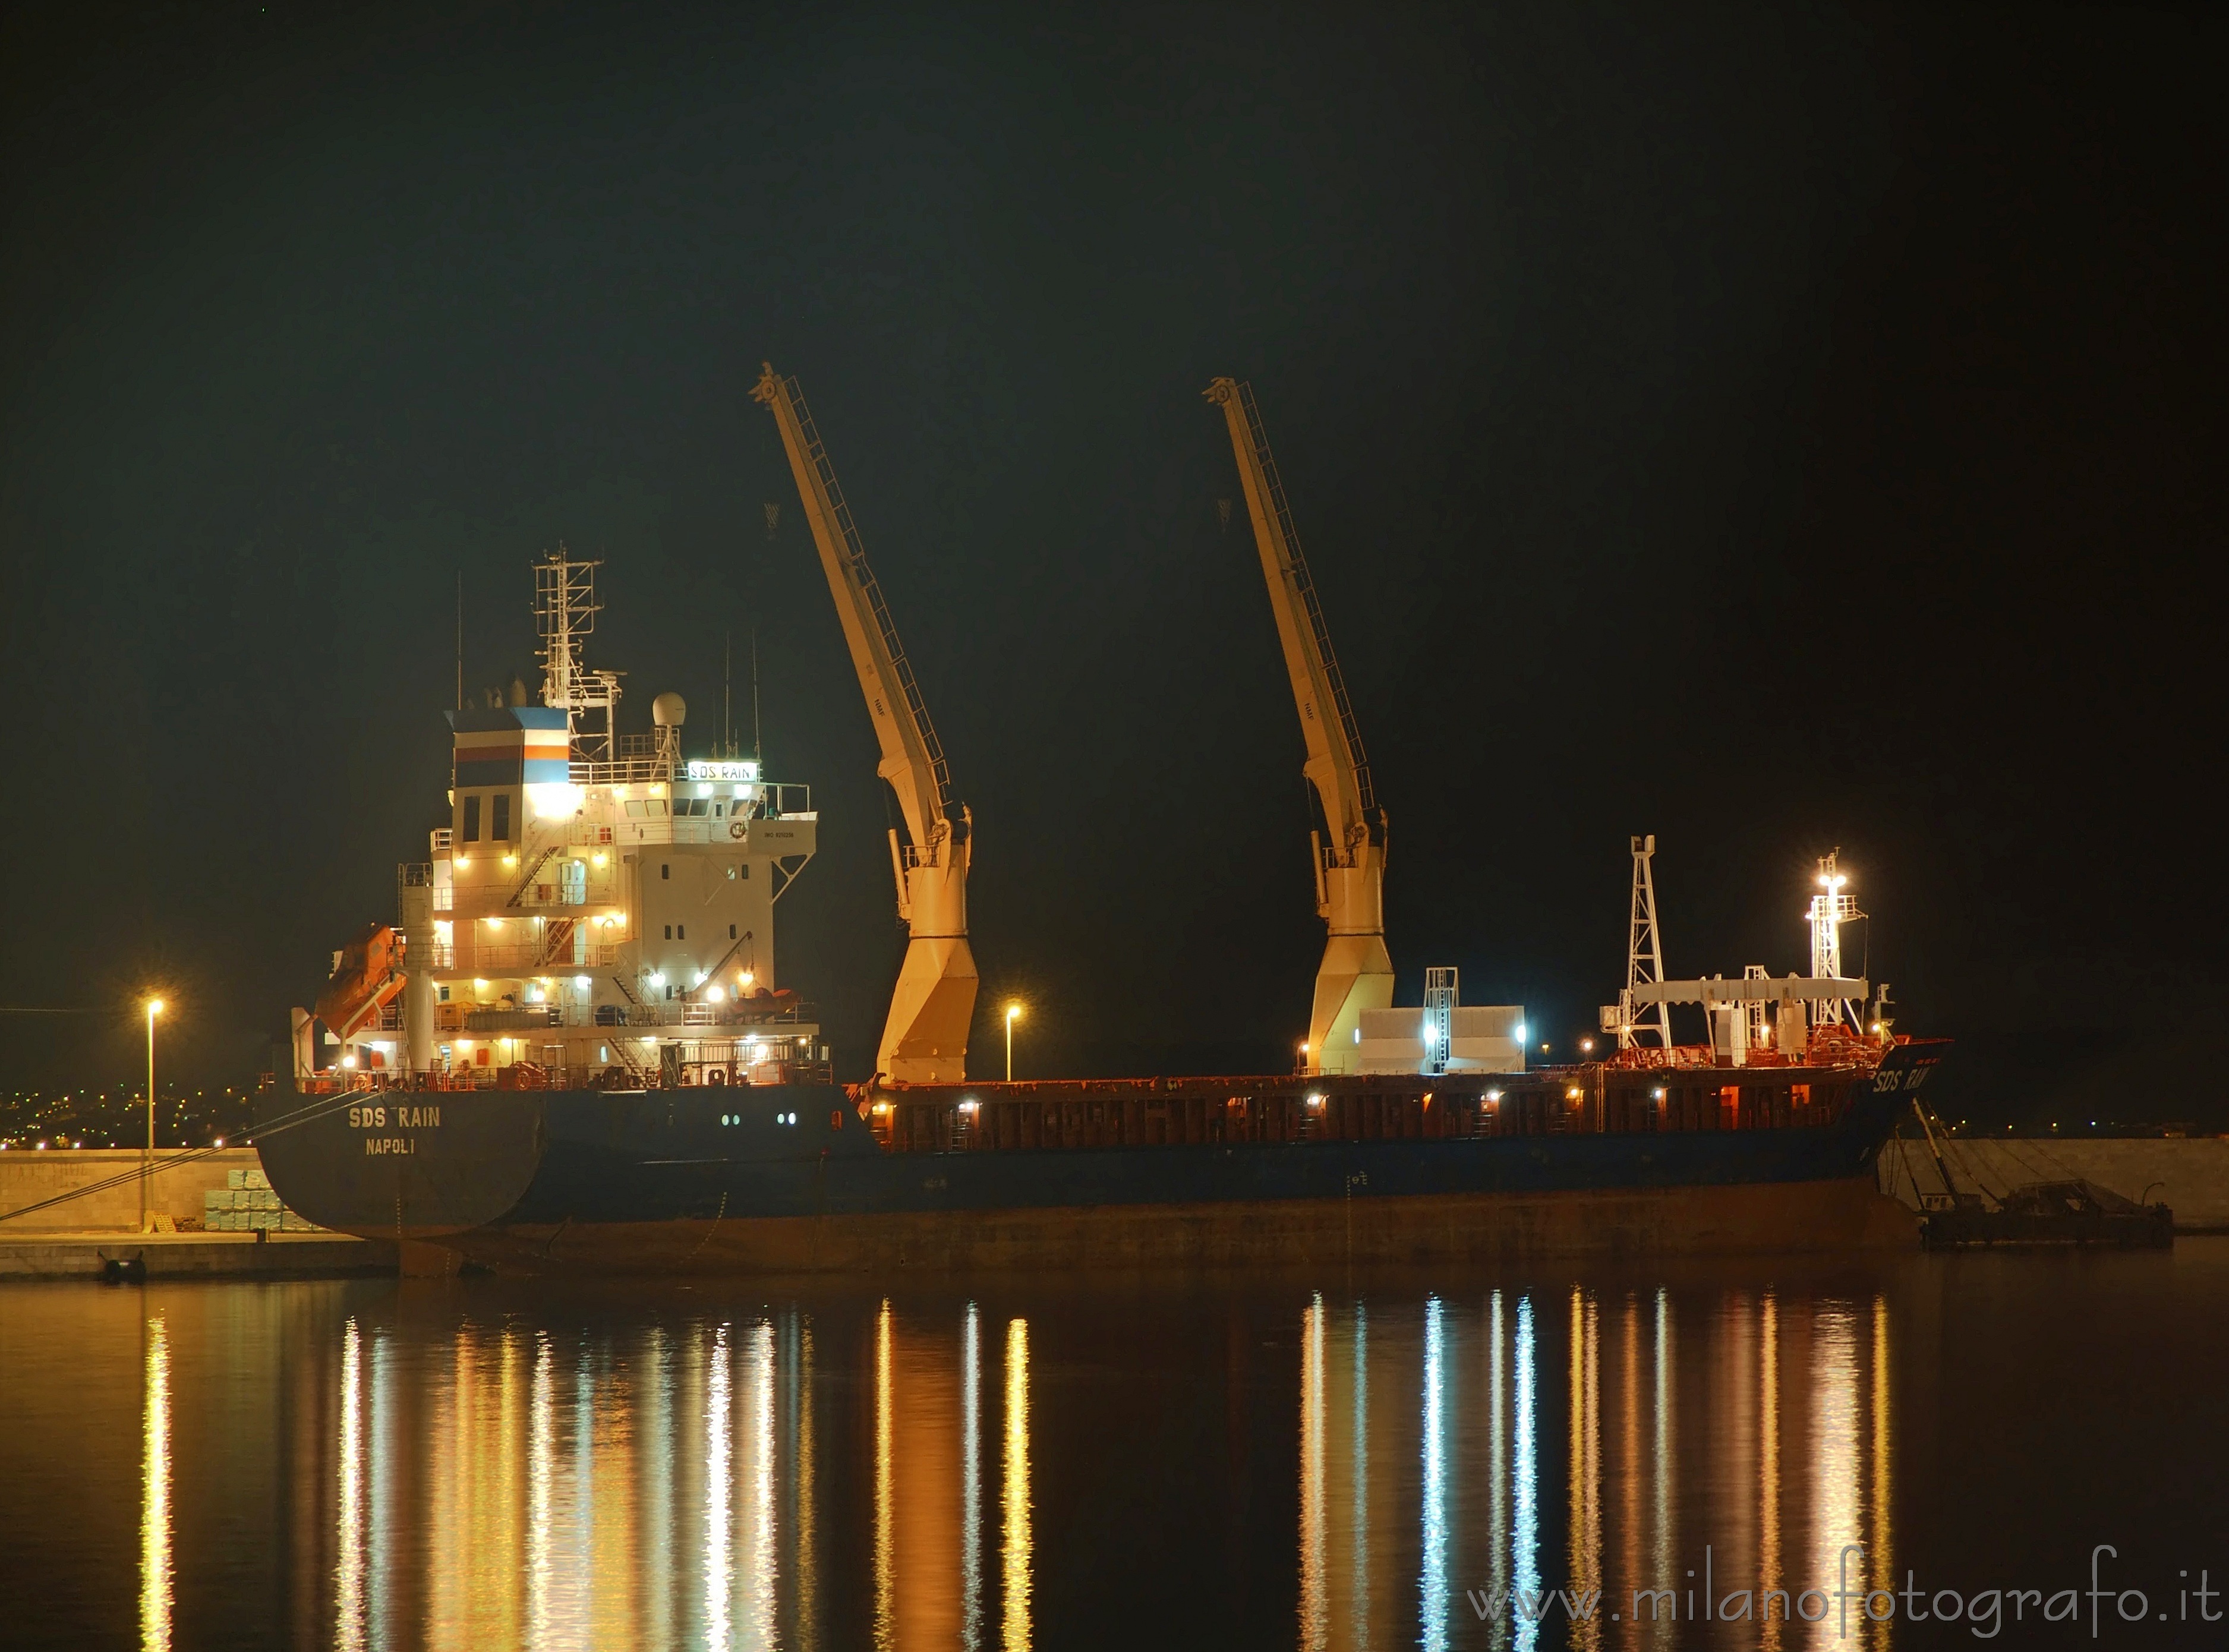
(1599, 1098)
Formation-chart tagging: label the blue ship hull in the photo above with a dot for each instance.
(781, 1178)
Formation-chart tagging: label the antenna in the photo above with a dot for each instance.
(727, 695)
(460, 639)
(758, 752)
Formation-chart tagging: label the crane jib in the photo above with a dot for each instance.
(855, 557)
(925, 1035)
(1304, 587)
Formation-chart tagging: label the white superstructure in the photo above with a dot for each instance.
(600, 907)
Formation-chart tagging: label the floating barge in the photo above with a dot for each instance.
(2049, 1213)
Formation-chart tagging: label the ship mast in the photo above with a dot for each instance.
(565, 609)
(1644, 953)
(1829, 910)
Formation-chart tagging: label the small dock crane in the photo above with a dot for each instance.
(925, 1040)
(1349, 849)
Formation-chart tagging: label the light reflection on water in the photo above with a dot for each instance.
(155, 1496)
(554, 1497)
(349, 1603)
(1524, 1538)
(716, 1447)
(1432, 1607)
(971, 1480)
(1768, 1472)
(885, 1398)
(1315, 1610)
(1016, 1535)
(475, 1465)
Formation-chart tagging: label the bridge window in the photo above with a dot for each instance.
(500, 831)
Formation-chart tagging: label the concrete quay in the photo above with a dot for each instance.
(78, 1237)
(181, 1177)
(192, 1255)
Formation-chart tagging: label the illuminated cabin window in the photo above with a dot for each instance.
(472, 819)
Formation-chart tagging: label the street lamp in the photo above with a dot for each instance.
(1013, 1015)
(147, 1159)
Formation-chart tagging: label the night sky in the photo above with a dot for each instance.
(1773, 428)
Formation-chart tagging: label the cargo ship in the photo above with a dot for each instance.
(572, 1050)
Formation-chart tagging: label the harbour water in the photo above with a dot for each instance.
(1457, 1460)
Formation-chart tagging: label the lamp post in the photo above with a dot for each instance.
(1013, 1015)
(147, 1158)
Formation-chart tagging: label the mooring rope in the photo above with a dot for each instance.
(301, 1115)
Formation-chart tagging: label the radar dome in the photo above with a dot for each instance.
(668, 711)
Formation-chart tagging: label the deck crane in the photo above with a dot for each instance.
(1356, 974)
(925, 1040)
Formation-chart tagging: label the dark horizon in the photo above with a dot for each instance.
(1774, 433)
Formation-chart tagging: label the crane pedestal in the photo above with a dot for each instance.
(1356, 975)
(925, 1040)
